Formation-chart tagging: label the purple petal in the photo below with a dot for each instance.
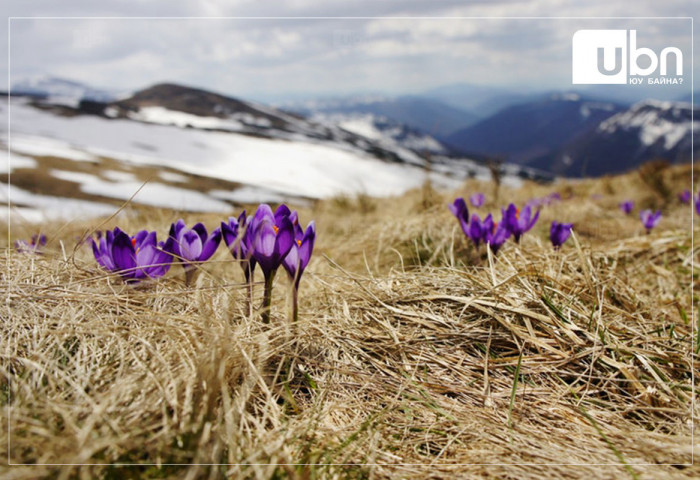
(201, 231)
(123, 253)
(285, 239)
(190, 245)
(210, 245)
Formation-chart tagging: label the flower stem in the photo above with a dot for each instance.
(267, 296)
(295, 303)
(247, 271)
(189, 275)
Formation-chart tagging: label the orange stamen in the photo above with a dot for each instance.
(517, 213)
(133, 242)
(276, 228)
(298, 243)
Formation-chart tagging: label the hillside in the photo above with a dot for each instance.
(523, 132)
(189, 149)
(648, 130)
(414, 355)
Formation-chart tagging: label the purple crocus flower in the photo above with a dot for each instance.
(33, 246)
(272, 239)
(299, 255)
(684, 196)
(559, 233)
(194, 245)
(627, 206)
(298, 258)
(697, 203)
(134, 258)
(649, 219)
(519, 222)
(459, 209)
(477, 199)
(494, 234)
(476, 229)
(238, 239)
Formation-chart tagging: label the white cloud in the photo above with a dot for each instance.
(261, 57)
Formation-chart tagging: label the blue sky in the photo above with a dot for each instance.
(278, 57)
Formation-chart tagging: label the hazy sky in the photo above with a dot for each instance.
(270, 59)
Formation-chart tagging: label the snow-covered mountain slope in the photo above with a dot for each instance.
(530, 130)
(385, 132)
(62, 91)
(188, 149)
(646, 131)
(263, 168)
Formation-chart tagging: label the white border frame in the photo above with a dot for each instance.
(695, 324)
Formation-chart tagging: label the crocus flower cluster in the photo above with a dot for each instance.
(134, 258)
(268, 239)
(35, 245)
(488, 230)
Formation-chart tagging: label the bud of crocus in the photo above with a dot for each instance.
(459, 209)
(299, 255)
(477, 199)
(559, 233)
(627, 206)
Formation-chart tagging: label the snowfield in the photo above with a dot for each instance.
(296, 168)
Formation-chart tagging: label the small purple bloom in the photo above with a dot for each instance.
(238, 238)
(33, 246)
(272, 237)
(519, 222)
(299, 255)
(476, 229)
(134, 258)
(627, 206)
(697, 204)
(459, 209)
(649, 219)
(559, 233)
(477, 199)
(193, 245)
(684, 196)
(494, 234)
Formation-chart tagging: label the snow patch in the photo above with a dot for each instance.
(157, 195)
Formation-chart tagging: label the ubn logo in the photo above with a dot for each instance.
(600, 56)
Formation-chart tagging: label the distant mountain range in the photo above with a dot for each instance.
(432, 116)
(523, 132)
(560, 133)
(63, 91)
(646, 131)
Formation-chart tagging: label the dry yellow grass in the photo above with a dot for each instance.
(413, 357)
